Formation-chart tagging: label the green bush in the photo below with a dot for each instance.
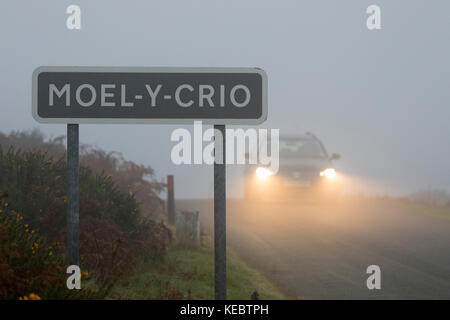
(29, 267)
(37, 184)
(113, 231)
(129, 176)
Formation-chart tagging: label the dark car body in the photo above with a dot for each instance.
(302, 164)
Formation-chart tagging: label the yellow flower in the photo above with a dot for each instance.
(32, 231)
(6, 204)
(50, 253)
(1, 210)
(33, 296)
(26, 226)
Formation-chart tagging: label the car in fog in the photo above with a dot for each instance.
(306, 171)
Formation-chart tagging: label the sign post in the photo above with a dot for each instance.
(218, 96)
(220, 231)
(170, 200)
(73, 206)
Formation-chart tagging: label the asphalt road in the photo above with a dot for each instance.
(317, 251)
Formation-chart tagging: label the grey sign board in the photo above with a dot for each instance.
(149, 95)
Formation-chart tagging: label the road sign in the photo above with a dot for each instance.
(218, 96)
(149, 95)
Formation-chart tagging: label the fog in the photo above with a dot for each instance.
(380, 98)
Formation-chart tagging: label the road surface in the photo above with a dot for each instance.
(317, 251)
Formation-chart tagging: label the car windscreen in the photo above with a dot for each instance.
(301, 149)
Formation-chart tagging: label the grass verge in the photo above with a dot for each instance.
(188, 273)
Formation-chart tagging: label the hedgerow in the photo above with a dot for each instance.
(114, 232)
(30, 268)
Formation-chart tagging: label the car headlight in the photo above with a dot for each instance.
(263, 173)
(329, 173)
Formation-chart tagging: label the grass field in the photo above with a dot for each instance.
(188, 273)
(436, 211)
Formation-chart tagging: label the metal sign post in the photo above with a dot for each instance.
(219, 96)
(73, 206)
(220, 231)
(170, 200)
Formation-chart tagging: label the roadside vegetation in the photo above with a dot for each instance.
(188, 273)
(126, 250)
(115, 230)
(434, 202)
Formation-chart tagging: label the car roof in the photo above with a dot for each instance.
(306, 136)
(292, 138)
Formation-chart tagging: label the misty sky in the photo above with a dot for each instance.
(380, 98)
